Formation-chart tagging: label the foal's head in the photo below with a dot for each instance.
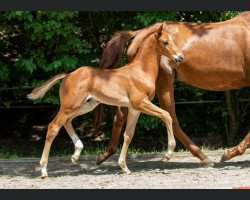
(165, 46)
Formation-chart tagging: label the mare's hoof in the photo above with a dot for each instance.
(224, 157)
(100, 159)
(206, 163)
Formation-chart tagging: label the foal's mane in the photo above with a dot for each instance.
(141, 36)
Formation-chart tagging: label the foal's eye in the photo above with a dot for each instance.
(165, 43)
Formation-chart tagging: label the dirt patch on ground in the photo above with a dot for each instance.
(149, 172)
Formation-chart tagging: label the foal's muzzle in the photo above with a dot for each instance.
(179, 58)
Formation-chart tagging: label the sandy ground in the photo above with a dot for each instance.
(149, 172)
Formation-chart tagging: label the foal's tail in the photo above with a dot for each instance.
(113, 51)
(40, 91)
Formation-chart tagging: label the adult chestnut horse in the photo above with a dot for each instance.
(132, 86)
(217, 58)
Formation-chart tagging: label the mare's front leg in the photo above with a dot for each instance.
(165, 94)
(121, 114)
(238, 150)
(132, 119)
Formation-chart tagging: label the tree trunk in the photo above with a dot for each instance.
(231, 99)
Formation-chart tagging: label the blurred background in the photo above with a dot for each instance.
(36, 45)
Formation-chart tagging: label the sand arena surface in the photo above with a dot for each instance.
(149, 172)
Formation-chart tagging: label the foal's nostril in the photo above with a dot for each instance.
(179, 58)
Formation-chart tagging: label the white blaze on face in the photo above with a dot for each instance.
(176, 53)
(170, 38)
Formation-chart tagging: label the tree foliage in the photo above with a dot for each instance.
(35, 45)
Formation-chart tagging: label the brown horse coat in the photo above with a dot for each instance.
(132, 86)
(217, 57)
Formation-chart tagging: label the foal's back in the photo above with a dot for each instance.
(105, 85)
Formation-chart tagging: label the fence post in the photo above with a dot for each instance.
(232, 103)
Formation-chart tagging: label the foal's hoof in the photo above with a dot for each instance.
(166, 158)
(74, 160)
(224, 157)
(128, 172)
(44, 176)
(206, 163)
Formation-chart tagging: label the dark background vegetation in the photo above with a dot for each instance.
(35, 46)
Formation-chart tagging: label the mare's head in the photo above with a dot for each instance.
(165, 46)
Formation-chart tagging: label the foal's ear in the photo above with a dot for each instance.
(159, 32)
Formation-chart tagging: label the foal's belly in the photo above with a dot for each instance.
(114, 99)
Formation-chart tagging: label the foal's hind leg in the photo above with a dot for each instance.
(86, 107)
(76, 140)
(52, 132)
(128, 135)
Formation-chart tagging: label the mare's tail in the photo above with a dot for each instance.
(113, 51)
(110, 57)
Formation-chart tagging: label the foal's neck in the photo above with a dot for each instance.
(147, 56)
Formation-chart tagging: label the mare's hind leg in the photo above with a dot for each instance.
(238, 150)
(86, 107)
(119, 120)
(128, 135)
(52, 132)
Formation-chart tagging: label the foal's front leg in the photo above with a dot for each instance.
(149, 108)
(133, 116)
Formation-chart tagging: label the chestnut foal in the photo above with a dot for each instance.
(131, 86)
